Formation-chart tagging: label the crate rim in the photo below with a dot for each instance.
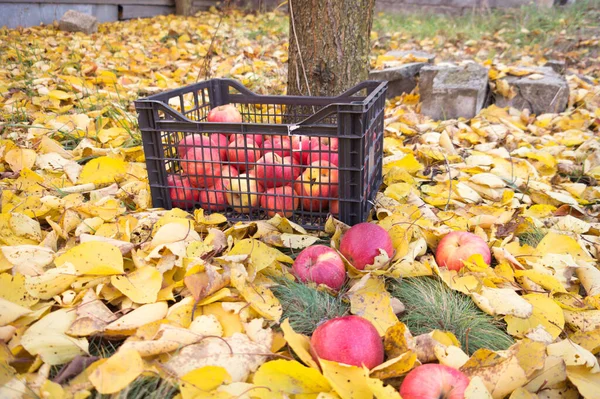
(379, 88)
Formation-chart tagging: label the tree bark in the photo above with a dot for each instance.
(329, 45)
(183, 7)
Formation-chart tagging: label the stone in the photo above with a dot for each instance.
(452, 92)
(543, 92)
(402, 78)
(75, 21)
(25, 14)
(558, 66)
(427, 57)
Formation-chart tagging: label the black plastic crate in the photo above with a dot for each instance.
(181, 164)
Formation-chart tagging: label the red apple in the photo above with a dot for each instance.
(274, 171)
(322, 265)
(300, 148)
(219, 141)
(318, 183)
(257, 138)
(280, 145)
(291, 169)
(328, 141)
(203, 165)
(269, 170)
(363, 243)
(182, 194)
(213, 198)
(434, 381)
(279, 201)
(457, 247)
(225, 113)
(334, 207)
(350, 340)
(228, 171)
(192, 141)
(323, 152)
(243, 152)
(243, 192)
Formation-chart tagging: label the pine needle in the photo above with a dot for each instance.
(532, 236)
(306, 307)
(144, 387)
(431, 305)
(102, 347)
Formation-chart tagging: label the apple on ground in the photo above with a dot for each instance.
(367, 244)
(281, 201)
(243, 152)
(457, 247)
(318, 184)
(434, 381)
(321, 265)
(243, 192)
(280, 145)
(182, 194)
(202, 165)
(350, 340)
(224, 113)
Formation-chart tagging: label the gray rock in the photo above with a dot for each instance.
(75, 21)
(550, 94)
(403, 78)
(417, 53)
(558, 66)
(453, 92)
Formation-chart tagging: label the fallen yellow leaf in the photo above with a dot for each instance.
(116, 372)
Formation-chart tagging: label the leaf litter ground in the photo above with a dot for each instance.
(102, 295)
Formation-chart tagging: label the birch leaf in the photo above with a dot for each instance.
(369, 299)
(47, 338)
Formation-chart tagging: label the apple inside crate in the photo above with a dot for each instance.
(250, 157)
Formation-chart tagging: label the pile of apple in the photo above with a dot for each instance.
(354, 340)
(277, 173)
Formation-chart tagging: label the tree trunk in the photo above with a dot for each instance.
(333, 39)
(183, 7)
